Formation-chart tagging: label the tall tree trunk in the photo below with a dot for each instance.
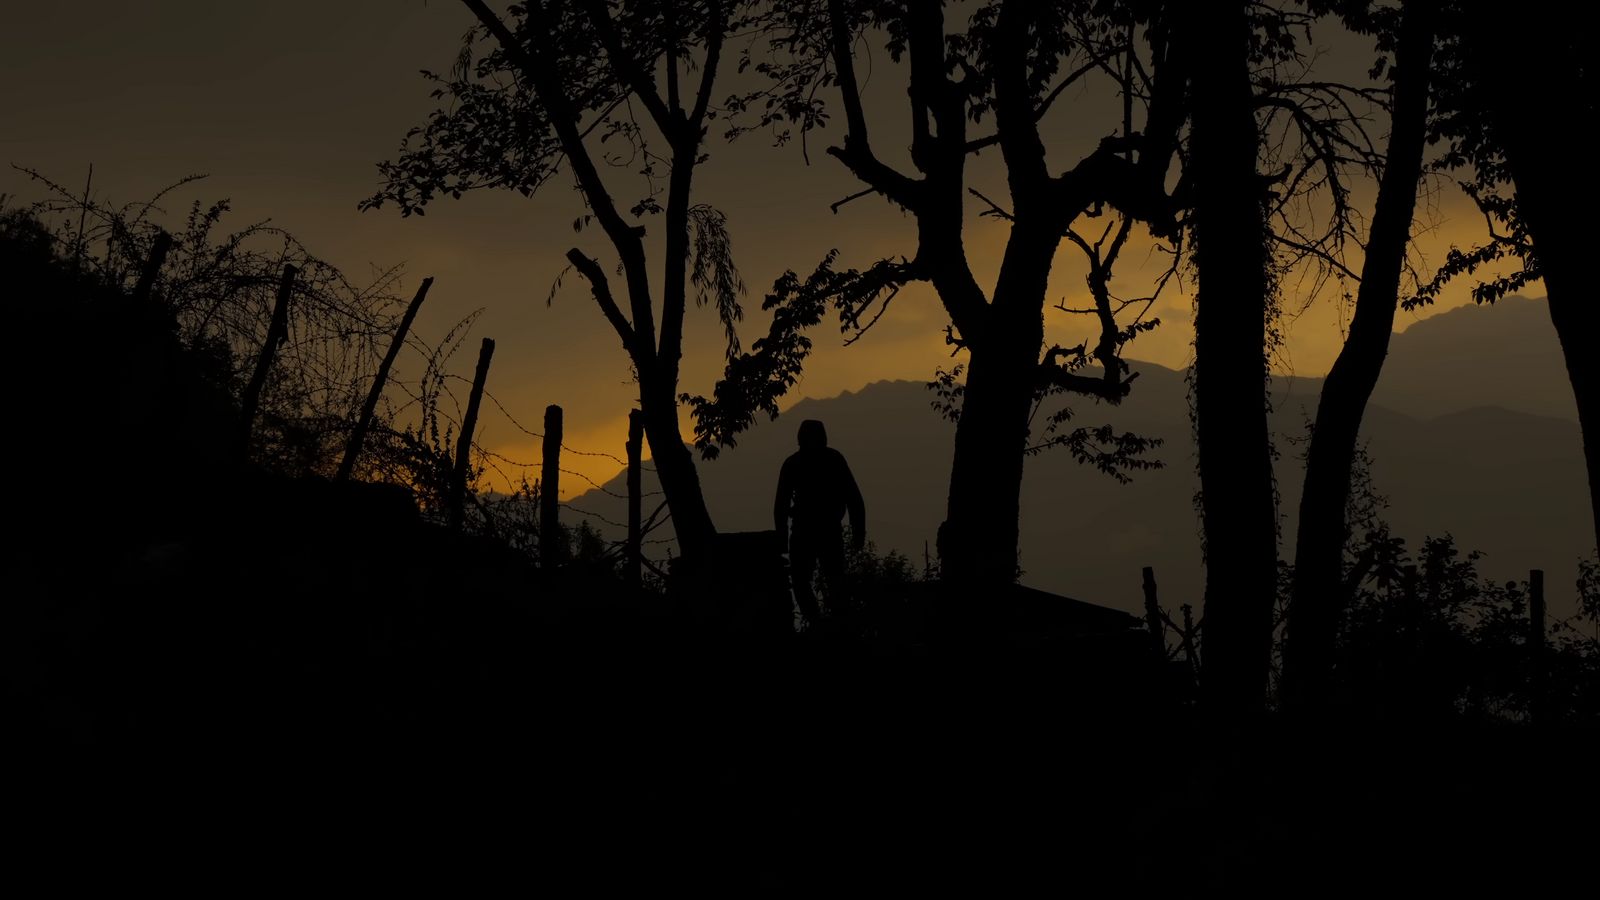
(675, 467)
(978, 541)
(1319, 580)
(1532, 106)
(1230, 371)
(1577, 321)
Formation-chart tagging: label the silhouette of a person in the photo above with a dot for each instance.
(815, 489)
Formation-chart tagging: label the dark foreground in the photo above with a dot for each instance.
(396, 704)
(214, 678)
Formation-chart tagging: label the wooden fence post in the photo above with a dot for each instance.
(458, 480)
(277, 333)
(550, 491)
(1536, 609)
(633, 569)
(358, 435)
(1152, 612)
(152, 267)
(83, 220)
(1536, 645)
(1189, 651)
(1411, 608)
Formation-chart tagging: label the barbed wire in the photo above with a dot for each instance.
(650, 524)
(540, 465)
(604, 454)
(531, 433)
(600, 487)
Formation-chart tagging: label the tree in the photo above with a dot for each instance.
(548, 79)
(1271, 153)
(1013, 59)
(1232, 259)
(1320, 588)
(1511, 86)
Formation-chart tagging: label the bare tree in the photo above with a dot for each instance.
(1232, 263)
(1009, 65)
(1321, 588)
(550, 78)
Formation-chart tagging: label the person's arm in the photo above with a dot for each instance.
(857, 506)
(780, 506)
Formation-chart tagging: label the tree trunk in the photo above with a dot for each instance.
(1230, 371)
(978, 541)
(1532, 105)
(1319, 579)
(675, 468)
(657, 367)
(1577, 321)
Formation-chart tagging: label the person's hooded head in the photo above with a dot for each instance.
(812, 435)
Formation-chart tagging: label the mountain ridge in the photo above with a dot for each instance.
(1453, 470)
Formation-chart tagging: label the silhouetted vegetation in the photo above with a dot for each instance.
(1428, 638)
(521, 99)
(254, 525)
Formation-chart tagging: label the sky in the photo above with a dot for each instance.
(287, 107)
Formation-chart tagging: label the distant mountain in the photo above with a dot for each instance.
(1503, 355)
(1507, 480)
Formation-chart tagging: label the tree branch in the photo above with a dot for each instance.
(674, 102)
(632, 75)
(857, 153)
(1106, 176)
(685, 156)
(626, 238)
(933, 94)
(716, 30)
(596, 276)
(995, 209)
(834, 206)
(1053, 374)
(1320, 254)
(1071, 79)
(883, 179)
(1039, 112)
(1015, 121)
